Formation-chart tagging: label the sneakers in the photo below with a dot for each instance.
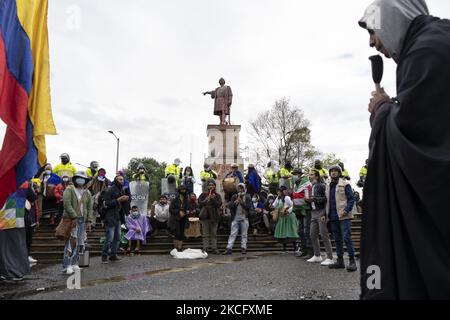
(76, 267)
(104, 259)
(327, 262)
(228, 252)
(114, 258)
(69, 270)
(352, 265)
(339, 264)
(31, 260)
(315, 259)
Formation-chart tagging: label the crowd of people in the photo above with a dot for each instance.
(295, 207)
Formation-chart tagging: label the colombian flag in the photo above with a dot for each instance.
(24, 91)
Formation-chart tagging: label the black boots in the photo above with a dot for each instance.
(339, 264)
(352, 265)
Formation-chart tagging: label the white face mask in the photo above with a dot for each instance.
(80, 182)
(101, 179)
(48, 172)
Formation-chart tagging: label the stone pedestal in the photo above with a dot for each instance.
(223, 151)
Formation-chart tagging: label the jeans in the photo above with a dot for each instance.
(235, 226)
(317, 226)
(112, 239)
(304, 224)
(209, 234)
(71, 255)
(342, 232)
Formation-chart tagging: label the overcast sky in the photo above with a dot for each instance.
(138, 67)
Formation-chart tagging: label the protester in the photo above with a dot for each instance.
(65, 167)
(59, 191)
(138, 227)
(125, 206)
(287, 227)
(240, 206)
(49, 181)
(99, 183)
(193, 230)
(268, 216)
(206, 175)
(77, 207)
(92, 171)
(232, 178)
(14, 263)
(188, 179)
(209, 205)
(318, 201)
(256, 213)
(160, 216)
(31, 217)
(113, 200)
(340, 204)
(302, 209)
(178, 219)
(253, 181)
(405, 228)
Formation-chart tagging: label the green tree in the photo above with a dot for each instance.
(154, 170)
(328, 160)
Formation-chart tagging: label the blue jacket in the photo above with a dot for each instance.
(253, 180)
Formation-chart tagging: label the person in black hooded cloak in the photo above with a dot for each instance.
(406, 220)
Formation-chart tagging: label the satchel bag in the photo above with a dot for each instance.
(64, 229)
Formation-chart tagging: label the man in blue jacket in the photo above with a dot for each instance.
(340, 204)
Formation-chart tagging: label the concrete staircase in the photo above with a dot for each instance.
(48, 250)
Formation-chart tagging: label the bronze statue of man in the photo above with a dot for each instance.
(223, 100)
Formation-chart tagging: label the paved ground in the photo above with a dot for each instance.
(262, 276)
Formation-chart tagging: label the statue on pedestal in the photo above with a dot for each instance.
(223, 99)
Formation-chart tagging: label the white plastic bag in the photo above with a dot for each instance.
(190, 254)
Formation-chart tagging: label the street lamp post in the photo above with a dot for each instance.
(117, 158)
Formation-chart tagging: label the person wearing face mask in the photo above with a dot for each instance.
(78, 206)
(138, 227)
(49, 181)
(240, 207)
(65, 167)
(287, 226)
(179, 209)
(256, 218)
(268, 217)
(92, 171)
(98, 186)
(302, 210)
(141, 173)
(59, 191)
(113, 200)
(209, 204)
(188, 179)
(160, 215)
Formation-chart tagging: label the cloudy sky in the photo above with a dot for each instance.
(138, 67)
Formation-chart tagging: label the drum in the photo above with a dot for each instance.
(193, 230)
(230, 184)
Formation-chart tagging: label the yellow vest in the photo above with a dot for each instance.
(205, 175)
(363, 172)
(345, 174)
(323, 173)
(65, 169)
(89, 173)
(272, 176)
(285, 173)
